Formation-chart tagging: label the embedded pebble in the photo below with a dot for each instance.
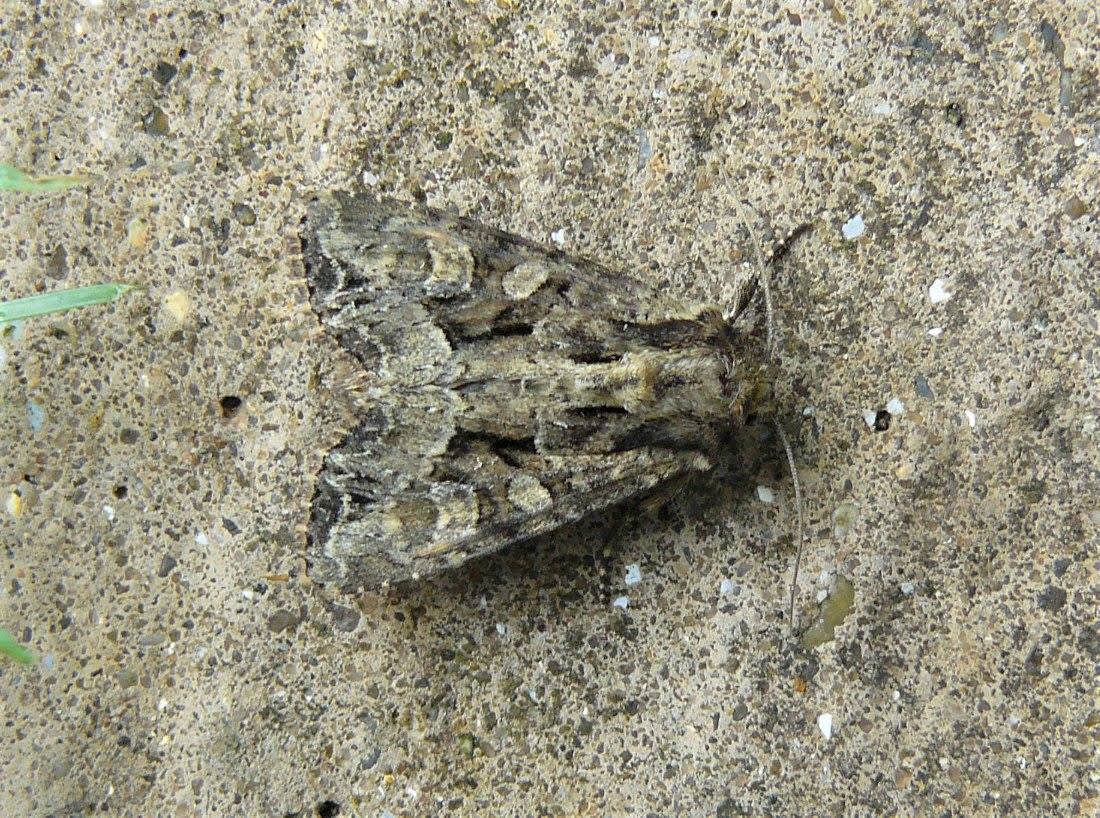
(167, 563)
(178, 305)
(854, 227)
(345, 619)
(645, 149)
(283, 620)
(844, 517)
(36, 416)
(138, 233)
(938, 292)
(155, 122)
(244, 214)
(835, 609)
(163, 72)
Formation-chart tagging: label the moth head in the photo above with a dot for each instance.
(749, 379)
(752, 395)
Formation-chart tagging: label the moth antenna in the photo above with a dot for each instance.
(798, 511)
(763, 277)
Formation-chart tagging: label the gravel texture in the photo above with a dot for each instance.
(939, 373)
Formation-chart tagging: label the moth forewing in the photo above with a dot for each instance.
(513, 388)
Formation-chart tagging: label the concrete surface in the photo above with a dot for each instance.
(948, 158)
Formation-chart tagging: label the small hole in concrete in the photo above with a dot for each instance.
(230, 405)
(120, 491)
(328, 809)
(882, 420)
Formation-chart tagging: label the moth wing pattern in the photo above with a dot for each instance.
(508, 388)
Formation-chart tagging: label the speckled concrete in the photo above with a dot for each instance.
(154, 560)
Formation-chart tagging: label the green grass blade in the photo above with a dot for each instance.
(13, 650)
(15, 179)
(60, 300)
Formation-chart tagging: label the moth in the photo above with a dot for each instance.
(507, 388)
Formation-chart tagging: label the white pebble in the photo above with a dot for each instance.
(971, 418)
(558, 237)
(825, 725)
(869, 416)
(725, 587)
(765, 494)
(633, 574)
(854, 227)
(895, 407)
(501, 628)
(371, 179)
(936, 332)
(178, 305)
(645, 148)
(621, 602)
(202, 539)
(36, 416)
(938, 292)
(907, 588)
(109, 513)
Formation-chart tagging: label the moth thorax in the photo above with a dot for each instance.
(669, 383)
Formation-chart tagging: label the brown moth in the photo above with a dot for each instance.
(509, 388)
